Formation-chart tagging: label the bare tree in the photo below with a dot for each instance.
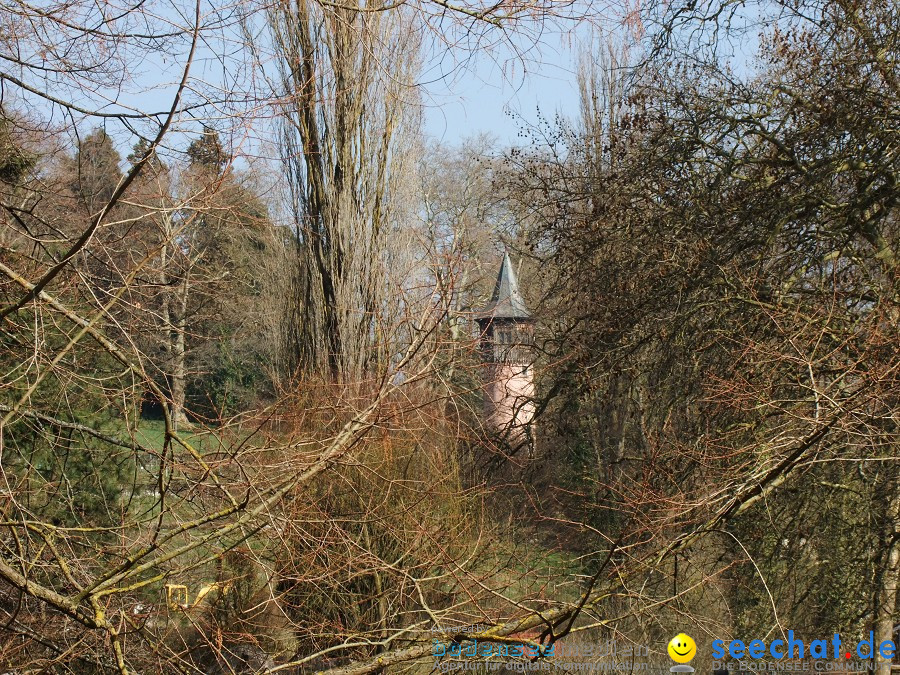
(350, 124)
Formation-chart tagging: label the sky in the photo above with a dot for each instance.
(493, 92)
(493, 84)
(525, 76)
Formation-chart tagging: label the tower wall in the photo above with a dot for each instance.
(509, 400)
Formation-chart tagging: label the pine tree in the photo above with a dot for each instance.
(96, 170)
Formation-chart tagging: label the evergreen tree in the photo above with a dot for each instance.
(15, 161)
(207, 152)
(96, 170)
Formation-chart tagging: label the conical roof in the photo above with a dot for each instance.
(506, 301)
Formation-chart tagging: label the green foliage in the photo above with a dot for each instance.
(96, 169)
(235, 375)
(208, 153)
(15, 161)
(68, 477)
(154, 165)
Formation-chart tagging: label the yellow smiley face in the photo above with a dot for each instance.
(682, 648)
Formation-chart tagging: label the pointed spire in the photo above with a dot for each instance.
(506, 301)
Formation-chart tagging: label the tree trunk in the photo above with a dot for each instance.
(178, 358)
(888, 575)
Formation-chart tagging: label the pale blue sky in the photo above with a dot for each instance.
(492, 84)
(487, 83)
(479, 97)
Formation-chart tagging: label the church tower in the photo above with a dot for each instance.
(507, 336)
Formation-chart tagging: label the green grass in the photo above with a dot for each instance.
(151, 434)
